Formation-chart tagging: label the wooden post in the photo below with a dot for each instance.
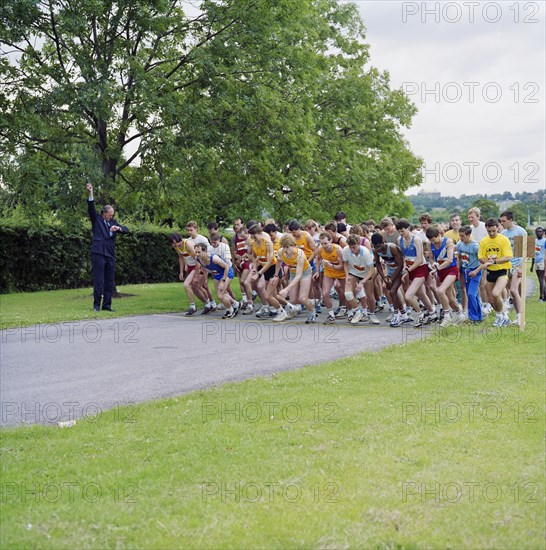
(523, 247)
(523, 284)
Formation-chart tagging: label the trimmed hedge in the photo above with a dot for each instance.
(52, 257)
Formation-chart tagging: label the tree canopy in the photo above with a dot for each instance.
(213, 110)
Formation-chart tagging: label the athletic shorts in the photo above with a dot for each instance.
(358, 277)
(492, 276)
(513, 271)
(313, 266)
(269, 273)
(420, 272)
(390, 271)
(307, 274)
(190, 268)
(220, 276)
(443, 273)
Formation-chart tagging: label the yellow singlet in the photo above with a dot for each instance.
(333, 259)
(302, 244)
(292, 262)
(260, 251)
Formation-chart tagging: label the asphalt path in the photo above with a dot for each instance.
(57, 372)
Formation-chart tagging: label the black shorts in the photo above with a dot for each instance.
(492, 276)
(270, 273)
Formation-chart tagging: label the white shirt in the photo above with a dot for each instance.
(199, 239)
(360, 265)
(223, 251)
(479, 232)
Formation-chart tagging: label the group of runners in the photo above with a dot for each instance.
(468, 271)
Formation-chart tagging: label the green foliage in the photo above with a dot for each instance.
(520, 213)
(55, 255)
(532, 203)
(488, 209)
(239, 107)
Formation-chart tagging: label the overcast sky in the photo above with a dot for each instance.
(476, 72)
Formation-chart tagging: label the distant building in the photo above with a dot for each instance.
(506, 204)
(430, 194)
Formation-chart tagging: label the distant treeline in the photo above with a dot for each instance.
(531, 205)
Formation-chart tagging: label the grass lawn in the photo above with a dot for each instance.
(433, 444)
(28, 308)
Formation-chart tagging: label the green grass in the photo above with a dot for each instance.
(28, 308)
(348, 473)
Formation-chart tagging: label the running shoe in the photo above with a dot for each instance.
(206, 310)
(421, 321)
(281, 316)
(447, 320)
(356, 317)
(462, 317)
(330, 320)
(374, 320)
(432, 318)
(292, 311)
(341, 314)
(247, 309)
(396, 321)
(499, 322)
(236, 310)
(311, 318)
(191, 311)
(262, 312)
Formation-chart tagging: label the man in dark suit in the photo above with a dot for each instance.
(103, 251)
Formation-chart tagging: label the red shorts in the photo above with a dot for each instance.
(443, 273)
(243, 266)
(420, 272)
(190, 268)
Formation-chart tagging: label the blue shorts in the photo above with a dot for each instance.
(220, 276)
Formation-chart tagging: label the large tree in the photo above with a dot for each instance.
(235, 106)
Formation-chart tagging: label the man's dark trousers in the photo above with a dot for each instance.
(104, 269)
